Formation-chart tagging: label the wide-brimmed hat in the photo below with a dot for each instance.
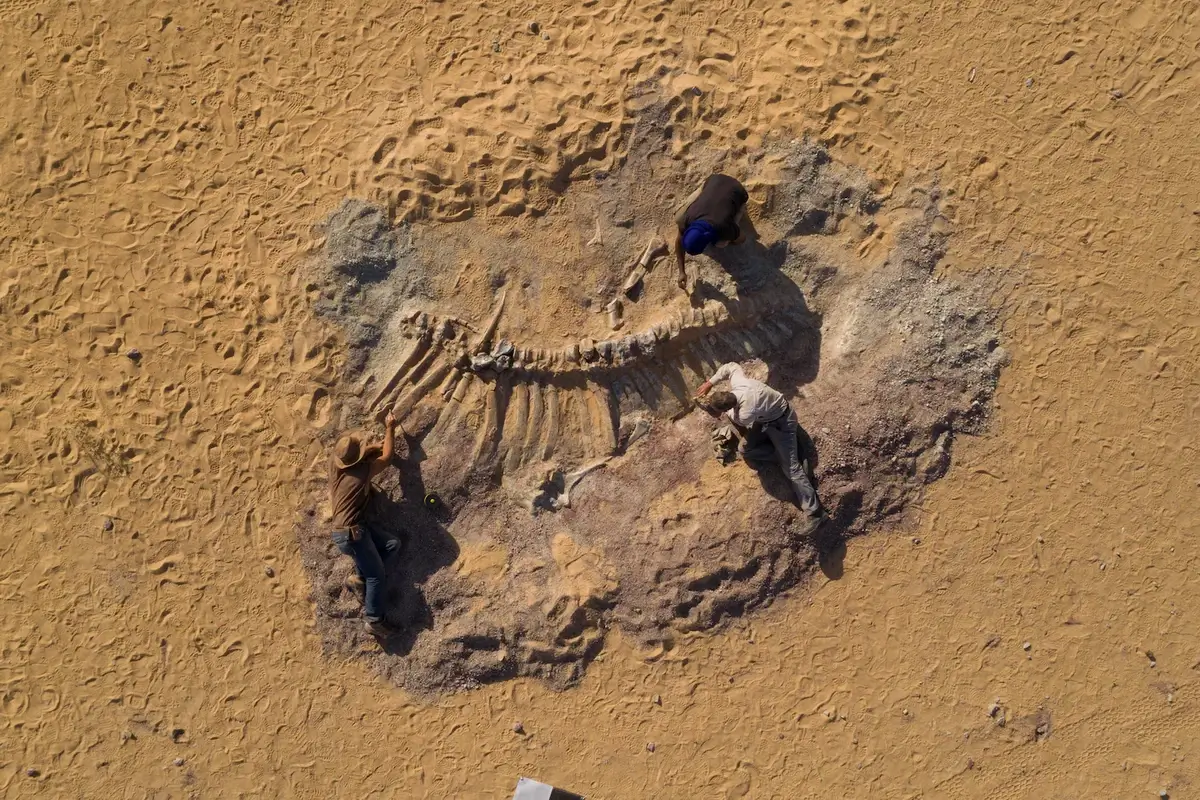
(349, 451)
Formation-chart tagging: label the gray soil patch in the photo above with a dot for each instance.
(886, 362)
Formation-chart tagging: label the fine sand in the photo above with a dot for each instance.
(175, 365)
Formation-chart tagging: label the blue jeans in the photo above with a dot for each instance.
(366, 552)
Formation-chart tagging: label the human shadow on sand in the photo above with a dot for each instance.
(756, 267)
(396, 509)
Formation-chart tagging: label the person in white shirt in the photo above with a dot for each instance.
(756, 408)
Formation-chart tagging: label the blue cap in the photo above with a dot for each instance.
(697, 237)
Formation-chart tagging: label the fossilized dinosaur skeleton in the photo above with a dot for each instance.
(569, 403)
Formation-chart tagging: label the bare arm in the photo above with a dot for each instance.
(679, 261)
(384, 459)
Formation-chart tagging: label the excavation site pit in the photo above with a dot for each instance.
(542, 361)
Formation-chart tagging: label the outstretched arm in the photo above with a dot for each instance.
(682, 281)
(724, 372)
(389, 446)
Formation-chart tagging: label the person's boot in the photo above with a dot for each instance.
(377, 628)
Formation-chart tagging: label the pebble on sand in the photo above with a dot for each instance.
(178, 762)
(1026, 647)
(270, 572)
(108, 524)
(650, 747)
(535, 27)
(518, 728)
(133, 354)
(33, 773)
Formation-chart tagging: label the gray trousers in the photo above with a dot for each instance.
(782, 433)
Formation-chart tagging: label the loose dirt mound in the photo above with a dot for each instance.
(885, 364)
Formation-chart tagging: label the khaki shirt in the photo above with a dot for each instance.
(756, 402)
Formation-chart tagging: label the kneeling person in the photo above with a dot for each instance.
(710, 215)
(351, 467)
(754, 406)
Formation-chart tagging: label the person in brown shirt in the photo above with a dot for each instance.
(709, 216)
(352, 465)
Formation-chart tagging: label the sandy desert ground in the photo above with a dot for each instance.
(163, 169)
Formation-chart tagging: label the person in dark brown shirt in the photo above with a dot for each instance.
(710, 215)
(352, 465)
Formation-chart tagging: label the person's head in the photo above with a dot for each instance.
(351, 450)
(697, 237)
(719, 402)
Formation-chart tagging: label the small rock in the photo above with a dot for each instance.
(178, 762)
(270, 572)
(495, 47)
(518, 729)
(127, 736)
(1117, 94)
(177, 734)
(1153, 660)
(507, 79)
(1028, 82)
(657, 700)
(994, 709)
(33, 773)
(1163, 794)
(133, 354)
(916, 540)
(650, 747)
(535, 27)
(545, 36)
(108, 524)
(1026, 647)
(970, 763)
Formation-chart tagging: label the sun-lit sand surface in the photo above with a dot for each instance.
(162, 171)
